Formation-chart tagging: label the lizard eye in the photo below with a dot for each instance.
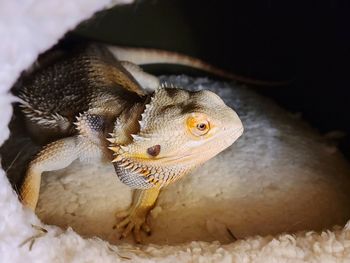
(198, 126)
(202, 126)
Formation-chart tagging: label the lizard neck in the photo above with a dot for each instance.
(127, 122)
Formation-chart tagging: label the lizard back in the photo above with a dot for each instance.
(83, 78)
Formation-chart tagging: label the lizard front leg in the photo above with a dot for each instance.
(54, 156)
(134, 218)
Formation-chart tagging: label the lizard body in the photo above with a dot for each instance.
(100, 111)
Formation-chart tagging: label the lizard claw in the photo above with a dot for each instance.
(31, 240)
(133, 220)
(146, 228)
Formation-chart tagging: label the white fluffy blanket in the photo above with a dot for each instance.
(32, 26)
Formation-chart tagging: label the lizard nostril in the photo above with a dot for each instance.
(154, 150)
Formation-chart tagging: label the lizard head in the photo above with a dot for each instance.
(178, 131)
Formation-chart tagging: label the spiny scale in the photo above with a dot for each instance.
(117, 159)
(131, 165)
(124, 164)
(114, 148)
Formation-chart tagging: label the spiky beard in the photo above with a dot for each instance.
(141, 175)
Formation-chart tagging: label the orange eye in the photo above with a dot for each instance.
(198, 125)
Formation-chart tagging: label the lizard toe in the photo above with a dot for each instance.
(129, 227)
(146, 228)
(132, 221)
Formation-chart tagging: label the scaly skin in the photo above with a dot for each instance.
(100, 112)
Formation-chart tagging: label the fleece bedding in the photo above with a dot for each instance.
(28, 28)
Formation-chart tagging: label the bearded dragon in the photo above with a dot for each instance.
(100, 110)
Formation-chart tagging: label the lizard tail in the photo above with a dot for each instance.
(144, 56)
